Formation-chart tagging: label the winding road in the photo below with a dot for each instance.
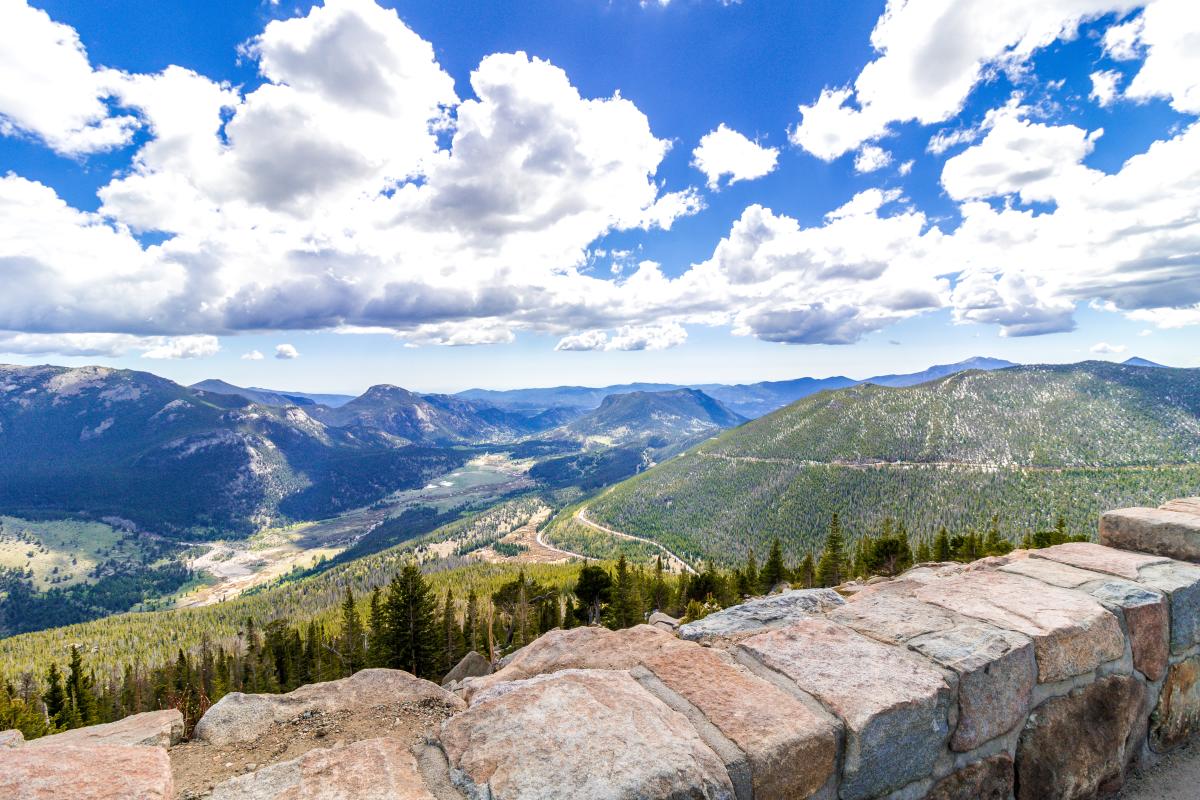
(674, 562)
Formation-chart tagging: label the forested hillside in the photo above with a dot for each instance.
(175, 460)
(1026, 443)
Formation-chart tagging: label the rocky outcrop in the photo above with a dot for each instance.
(472, 665)
(91, 772)
(583, 734)
(11, 738)
(239, 717)
(764, 613)
(371, 769)
(151, 729)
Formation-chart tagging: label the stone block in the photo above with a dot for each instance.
(761, 614)
(1188, 505)
(1072, 633)
(91, 772)
(580, 648)
(1074, 747)
(239, 717)
(472, 665)
(890, 613)
(1098, 558)
(1147, 620)
(371, 769)
(790, 747)
(153, 728)
(1181, 583)
(989, 779)
(1175, 534)
(895, 705)
(583, 734)
(996, 674)
(1176, 717)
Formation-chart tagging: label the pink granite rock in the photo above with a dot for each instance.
(582, 734)
(152, 728)
(1072, 633)
(894, 703)
(241, 717)
(1098, 558)
(11, 738)
(371, 769)
(1175, 534)
(91, 772)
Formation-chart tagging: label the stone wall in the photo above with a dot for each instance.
(1042, 674)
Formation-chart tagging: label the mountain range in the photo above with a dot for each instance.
(1026, 443)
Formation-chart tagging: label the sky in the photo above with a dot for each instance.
(443, 195)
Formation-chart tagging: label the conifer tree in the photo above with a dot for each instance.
(350, 643)
(624, 611)
(831, 568)
(773, 572)
(471, 629)
(806, 574)
(56, 697)
(451, 634)
(923, 553)
(941, 546)
(660, 595)
(749, 578)
(377, 644)
(412, 630)
(79, 690)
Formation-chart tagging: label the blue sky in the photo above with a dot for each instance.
(391, 195)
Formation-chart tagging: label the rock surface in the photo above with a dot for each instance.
(1072, 633)
(1176, 718)
(1074, 747)
(239, 717)
(580, 648)
(1147, 621)
(371, 769)
(582, 734)
(761, 614)
(93, 772)
(1097, 558)
(153, 729)
(990, 779)
(791, 748)
(11, 738)
(1181, 583)
(472, 665)
(894, 703)
(1162, 532)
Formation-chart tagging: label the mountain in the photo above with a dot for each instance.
(676, 414)
(183, 461)
(435, 418)
(270, 397)
(939, 371)
(1138, 361)
(1027, 443)
(578, 397)
(749, 400)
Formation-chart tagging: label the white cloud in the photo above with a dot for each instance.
(1169, 33)
(932, 53)
(197, 346)
(49, 88)
(871, 158)
(286, 352)
(1106, 349)
(1105, 86)
(1034, 160)
(906, 167)
(943, 140)
(724, 151)
(253, 355)
(585, 340)
(659, 336)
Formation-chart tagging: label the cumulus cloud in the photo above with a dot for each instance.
(286, 352)
(627, 337)
(724, 151)
(1106, 349)
(50, 89)
(871, 158)
(253, 355)
(198, 346)
(1105, 86)
(931, 54)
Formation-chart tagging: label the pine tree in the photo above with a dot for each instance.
(79, 690)
(941, 546)
(806, 574)
(412, 629)
(832, 566)
(471, 629)
(773, 572)
(660, 594)
(625, 611)
(451, 635)
(56, 697)
(749, 578)
(923, 553)
(377, 644)
(350, 643)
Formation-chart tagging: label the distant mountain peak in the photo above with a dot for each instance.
(1138, 361)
